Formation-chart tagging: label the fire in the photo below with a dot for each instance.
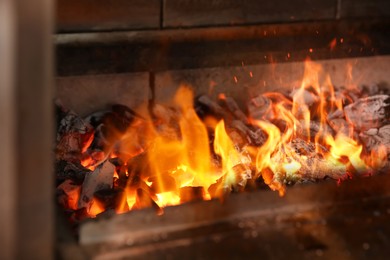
(96, 208)
(189, 158)
(184, 159)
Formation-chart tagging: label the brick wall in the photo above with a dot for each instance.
(107, 15)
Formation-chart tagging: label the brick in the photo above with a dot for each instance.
(184, 13)
(98, 15)
(364, 8)
(87, 94)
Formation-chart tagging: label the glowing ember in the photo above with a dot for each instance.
(181, 154)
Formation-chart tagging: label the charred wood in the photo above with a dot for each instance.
(376, 139)
(68, 194)
(367, 113)
(144, 200)
(260, 108)
(73, 136)
(234, 109)
(74, 171)
(110, 198)
(205, 106)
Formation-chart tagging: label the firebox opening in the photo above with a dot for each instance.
(191, 134)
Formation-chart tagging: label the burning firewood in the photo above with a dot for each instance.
(313, 166)
(367, 113)
(236, 122)
(116, 160)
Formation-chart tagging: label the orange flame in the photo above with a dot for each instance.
(180, 157)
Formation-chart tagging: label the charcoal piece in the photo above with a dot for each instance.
(346, 95)
(74, 171)
(101, 178)
(242, 173)
(79, 215)
(313, 166)
(144, 200)
(60, 113)
(188, 194)
(116, 161)
(71, 122)
(374, 138)
(337, 114)
(219, 190)
(166, 121)
(260, 108)
(304, 97)
(315, 128)
(110, 198)
(120, 182)
(205, 106)
(68, 194)
(340, 125)
(73, 137)
(139, 166)
(230, 104)
(111, 125)
(381, 88)
(107, 214)
(367, 113)
(274, 181)
(248, 134)
(126, 116)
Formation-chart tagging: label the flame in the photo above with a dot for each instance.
(344, 146)
(224, 147)
(186, 158)
(181, 160)
(96, 208)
